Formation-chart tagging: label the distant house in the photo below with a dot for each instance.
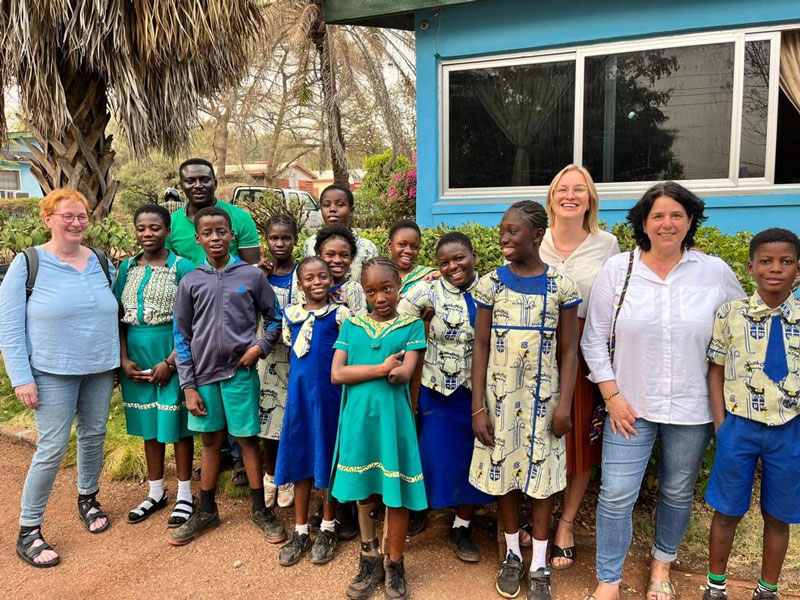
(294, 176)
(16, 179)
(705, 92)
(325, 178)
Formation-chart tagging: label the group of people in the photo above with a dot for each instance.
(381, 381)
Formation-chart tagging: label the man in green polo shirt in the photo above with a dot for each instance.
(199, 183)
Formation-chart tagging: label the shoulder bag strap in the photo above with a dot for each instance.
(612, 341)
(32, 260)
(103, 259)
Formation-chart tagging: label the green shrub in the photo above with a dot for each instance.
(19, 207)
(371, 208)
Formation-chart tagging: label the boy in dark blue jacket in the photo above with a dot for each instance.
(216, 323)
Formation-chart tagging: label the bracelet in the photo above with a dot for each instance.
(479, 411)
(607, 398)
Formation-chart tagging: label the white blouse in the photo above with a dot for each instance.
(584, 263)
(662, 333)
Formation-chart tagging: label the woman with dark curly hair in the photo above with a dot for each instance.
(650, 318)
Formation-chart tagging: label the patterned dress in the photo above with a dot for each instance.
(365, 249)
(522, 383)
(415, 275)
(147, 296)
(273, 371)
(311, 417)
(445, 400)
(376, 447)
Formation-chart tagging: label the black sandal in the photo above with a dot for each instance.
(570, 553)
(239, 473)
(28, 552)
(183, 515)
(85, 504)
(141, 512)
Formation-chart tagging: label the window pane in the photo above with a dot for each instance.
(659, 114)
(9, 179)
(511, 126)
(755, 109)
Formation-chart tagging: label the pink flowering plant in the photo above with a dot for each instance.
(400, 200)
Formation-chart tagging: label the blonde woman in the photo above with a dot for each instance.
(575, 244)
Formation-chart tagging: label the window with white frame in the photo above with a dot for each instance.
(9, 179)
(702, 108)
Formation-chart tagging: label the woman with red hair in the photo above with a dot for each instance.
(60, 346)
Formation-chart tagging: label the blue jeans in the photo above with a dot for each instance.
(624, 464)
(62, 398)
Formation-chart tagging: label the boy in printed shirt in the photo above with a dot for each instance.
(216, 323)
(754, 389)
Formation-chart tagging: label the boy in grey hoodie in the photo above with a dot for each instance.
(216, 322)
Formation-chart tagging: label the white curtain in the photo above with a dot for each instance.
(790, 66)
(520, 101)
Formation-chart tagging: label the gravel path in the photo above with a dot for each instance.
(135, 561)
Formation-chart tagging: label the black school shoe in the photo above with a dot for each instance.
(370, 575)
(268, 522)
(199, 523)
(293, 550)
(712, 594)
(539, 584)
(346, 520)
(324, 546)
(395, 587)
(416, 522)
(460, 540)
(509, 576)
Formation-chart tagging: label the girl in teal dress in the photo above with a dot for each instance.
(154, 406)
(376, 448)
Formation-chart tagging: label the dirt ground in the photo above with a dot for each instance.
(135, 561)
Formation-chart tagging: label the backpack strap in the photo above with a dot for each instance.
(32, 261)
(103, 260)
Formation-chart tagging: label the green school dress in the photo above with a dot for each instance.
(415, 275)
(147, 296)
(376, 446)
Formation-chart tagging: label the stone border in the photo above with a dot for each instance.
(18, 435)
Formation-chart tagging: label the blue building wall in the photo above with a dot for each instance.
(28, 182)
(502, 26)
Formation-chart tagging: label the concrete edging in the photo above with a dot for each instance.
(18, 435)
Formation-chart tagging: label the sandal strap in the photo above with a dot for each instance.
(178, 511)
(86, 505)
(28, 547)
(662, 587)
(145, 507)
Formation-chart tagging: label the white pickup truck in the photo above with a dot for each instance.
(254, 193)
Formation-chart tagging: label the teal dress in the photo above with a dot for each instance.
(376, 447)
(147, 296)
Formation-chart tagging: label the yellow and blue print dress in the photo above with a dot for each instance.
(376, 447)
(522, 383)
(273, 371)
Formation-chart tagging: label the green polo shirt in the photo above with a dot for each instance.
(183, 243)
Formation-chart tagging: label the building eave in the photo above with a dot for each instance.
(392, 14)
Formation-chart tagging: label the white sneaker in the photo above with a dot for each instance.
(270, 490)
(285, 495)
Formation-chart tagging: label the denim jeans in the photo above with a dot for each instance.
(62, 398)
(624, 465)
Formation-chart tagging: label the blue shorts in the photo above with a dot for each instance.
(740, 443)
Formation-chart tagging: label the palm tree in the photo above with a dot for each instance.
(75, 62)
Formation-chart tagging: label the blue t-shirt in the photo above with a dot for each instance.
(67, 327)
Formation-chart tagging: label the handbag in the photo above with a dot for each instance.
(598, 418)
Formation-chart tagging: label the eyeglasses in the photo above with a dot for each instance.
(68, 218)
(578, 189)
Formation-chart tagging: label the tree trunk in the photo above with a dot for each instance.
(220, 143)
(80, 157)
(330, 101)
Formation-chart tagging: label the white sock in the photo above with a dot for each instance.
(512, 543)
(157, 489)
(459, 522)
(328, 525)
(539, 556)
(184, 490)
(301, 529)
